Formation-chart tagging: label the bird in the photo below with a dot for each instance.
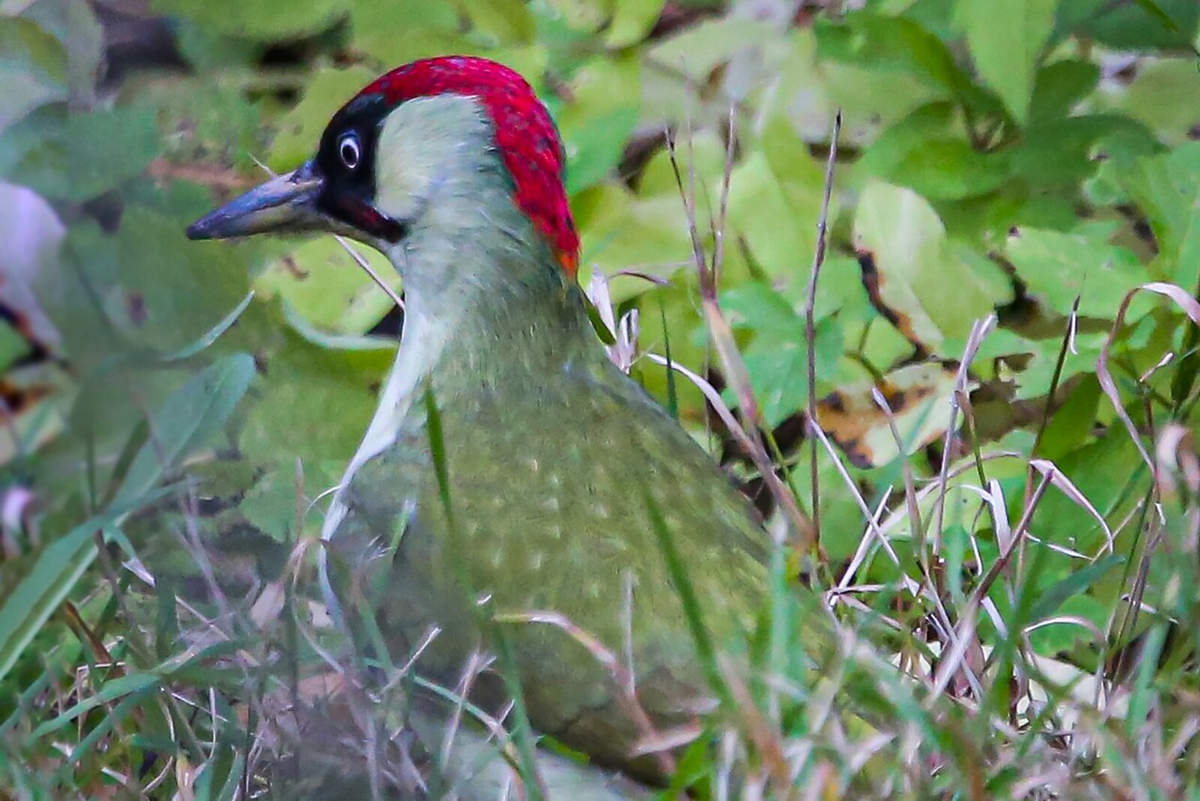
(513, 475)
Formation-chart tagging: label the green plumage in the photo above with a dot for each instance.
(552, 455)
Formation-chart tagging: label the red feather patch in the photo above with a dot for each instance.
(525, 135)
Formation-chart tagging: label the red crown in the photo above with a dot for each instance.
(525, 135)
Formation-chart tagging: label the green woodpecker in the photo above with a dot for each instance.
(556, 460)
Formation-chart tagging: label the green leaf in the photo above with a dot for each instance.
(1135, 25)
(777, 357)
(1006, 45)
(596, 149)
(1059, 86)
(399, 31)
(322, 283)
(168, 291)
(32, 70)
(932, 121)
(619, 230)
(1036, 359)
(585, 16)
(75, 25)
(1057, 267)
(221, 124)
(933, 296)
(1071, 426)
(193, 415)
(1155, 11)
(950, 169)
(315, 401)
(262, 19)
(12, 346)
(606, 102)
(1107, 472)
(778, 368)
(108, 147)
(697, 50)
(85, 154)
(779, 180)
(270, 505)
(1167, 189)
(632, 20)
(1162, 95)
(1076, 583)
(1067, 637)
(899, 44)
(1060, 152)
(213, 334)
(507, 21)
(755, 306)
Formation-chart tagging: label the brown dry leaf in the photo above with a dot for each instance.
(919, 397)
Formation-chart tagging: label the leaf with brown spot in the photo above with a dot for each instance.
(33, 400)
(914, 275)
(870, 279)
(919, 397)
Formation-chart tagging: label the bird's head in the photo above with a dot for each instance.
(445, 145)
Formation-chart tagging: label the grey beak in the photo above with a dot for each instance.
(285, 203)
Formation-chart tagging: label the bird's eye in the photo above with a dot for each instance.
(350, 151)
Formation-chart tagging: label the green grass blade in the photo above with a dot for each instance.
(211, 335)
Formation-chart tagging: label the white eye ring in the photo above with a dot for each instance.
(350, 151)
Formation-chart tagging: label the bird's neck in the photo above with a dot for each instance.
(484, 292)
(492, 310)
(508, 320)
(470, 345)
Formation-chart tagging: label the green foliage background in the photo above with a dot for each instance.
(1036, 158)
